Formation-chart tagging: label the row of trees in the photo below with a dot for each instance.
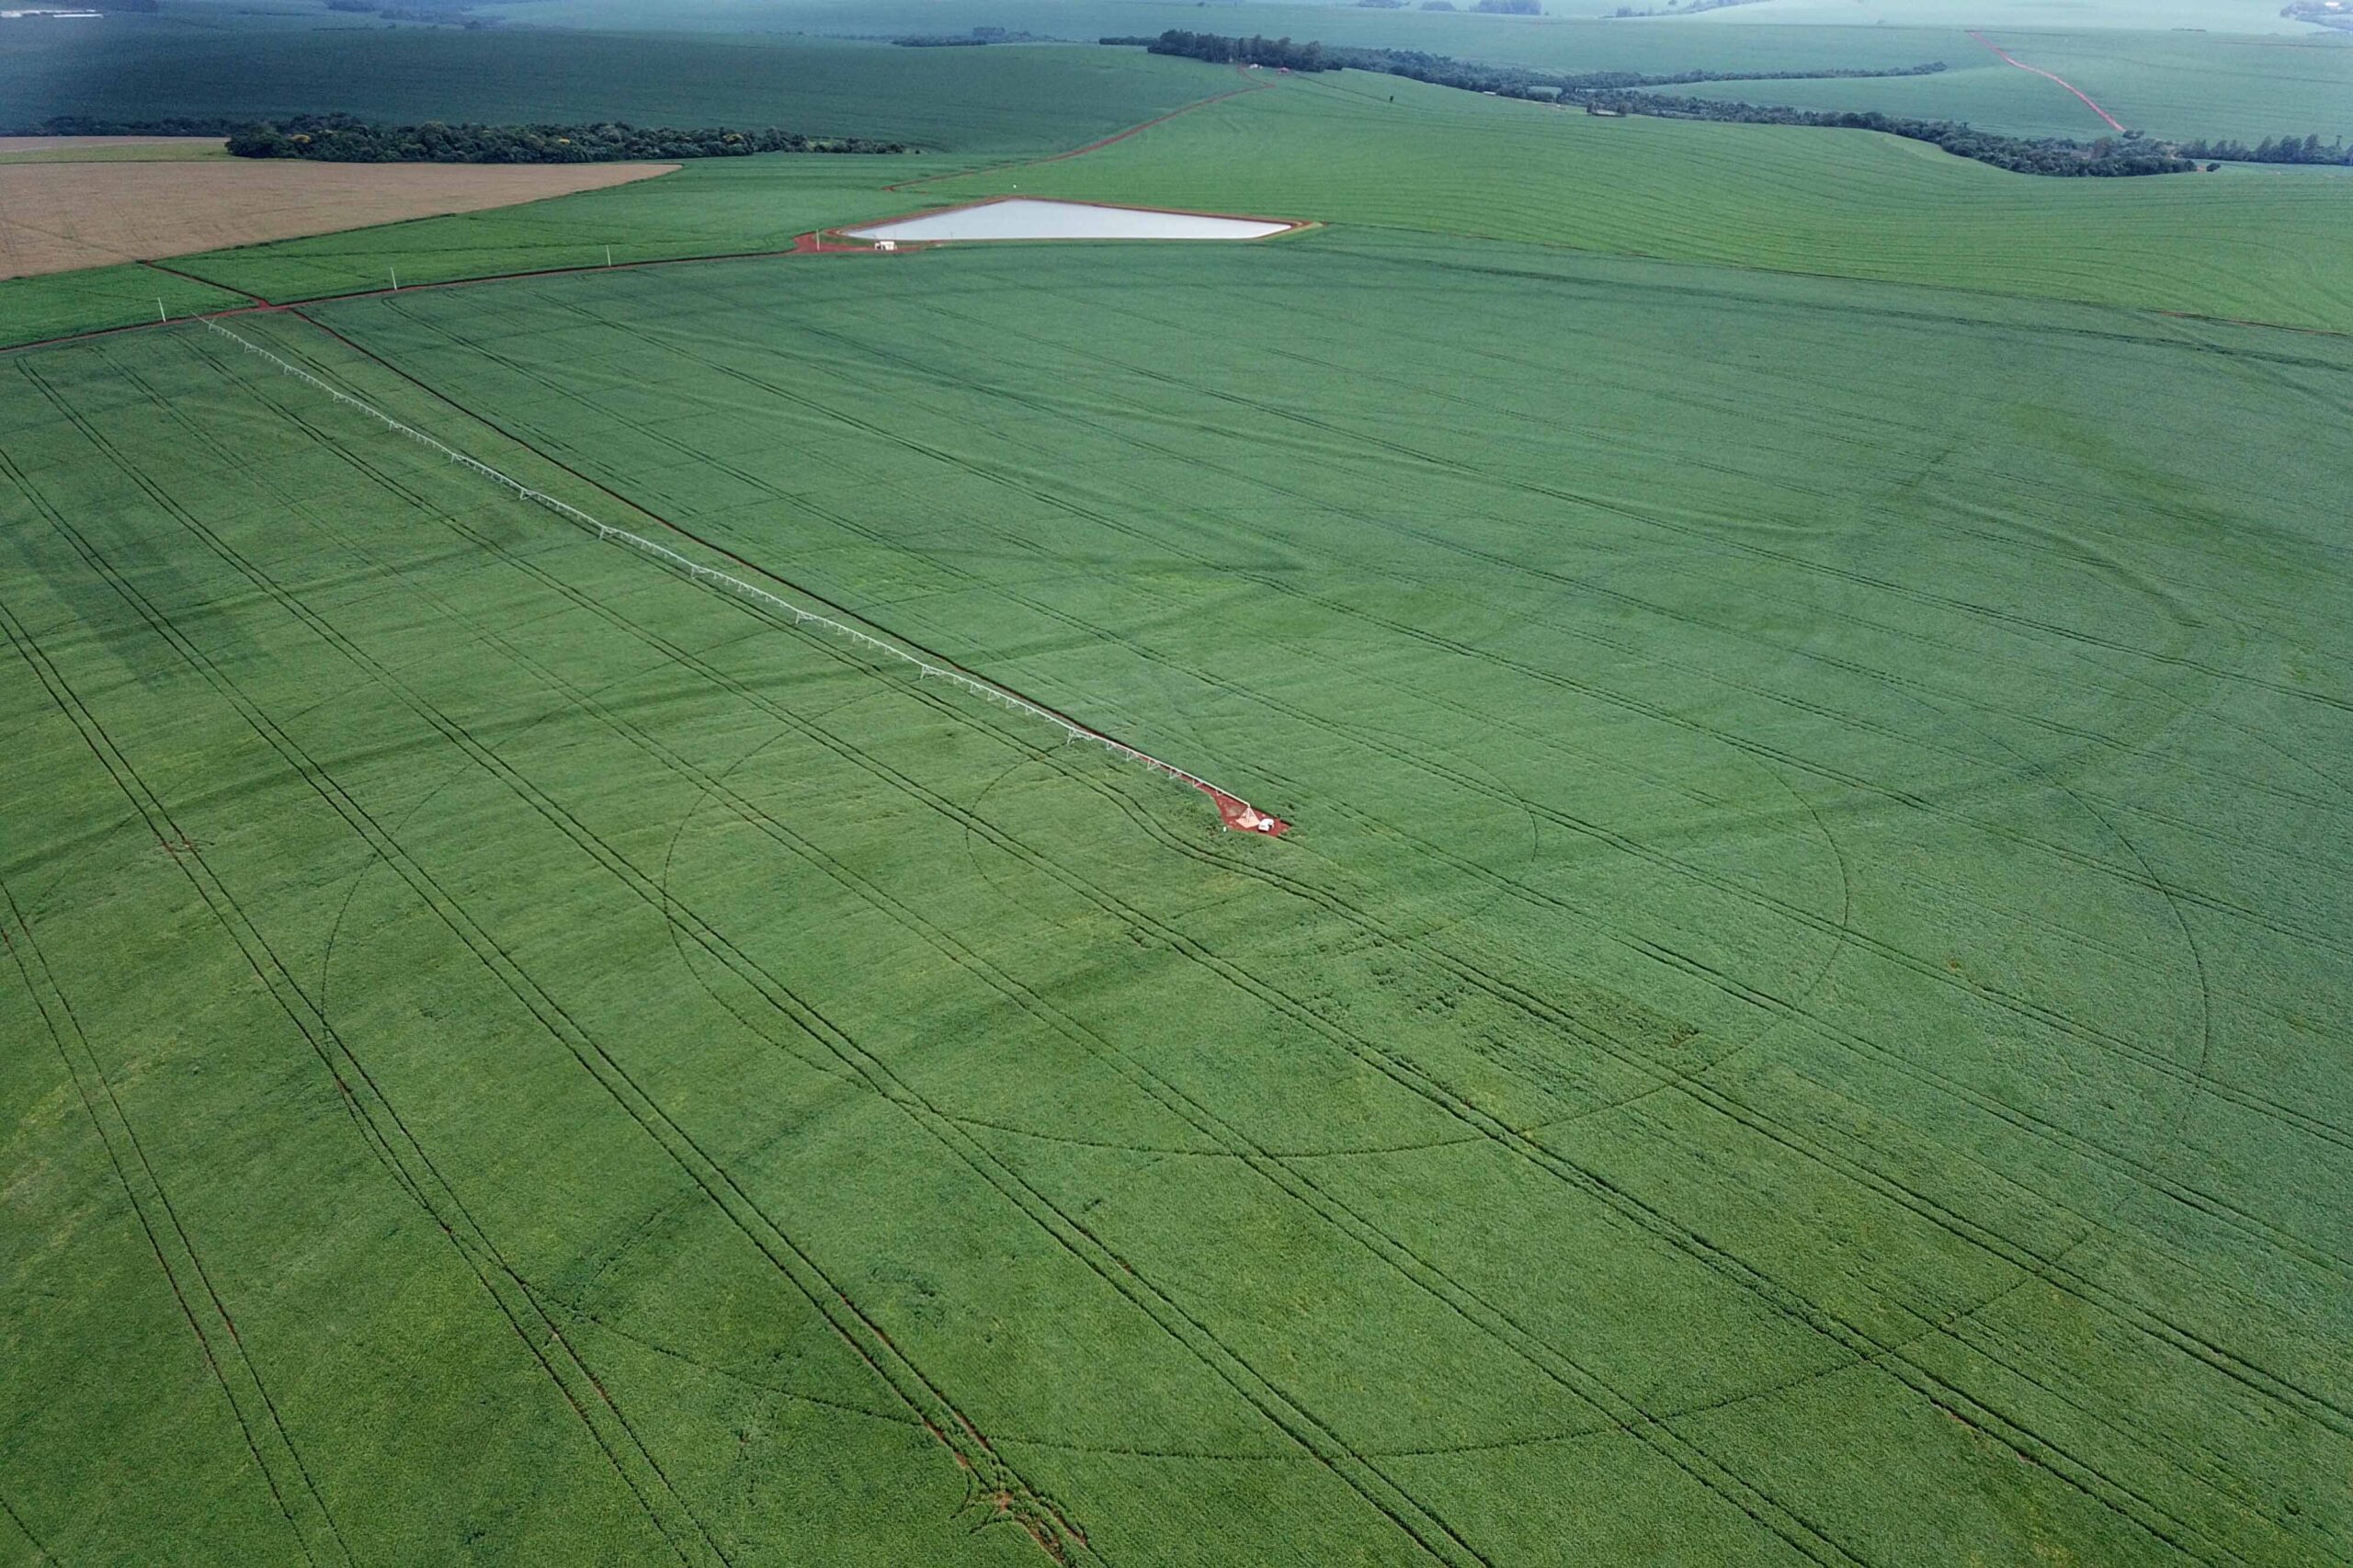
(1529, 82)
(1620, 92)
(2108, 156)
(1509, 81)
(1280, 53)
(969, 38)
(341, 139)
(2273, 150)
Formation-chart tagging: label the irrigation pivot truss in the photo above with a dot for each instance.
(1233, 810)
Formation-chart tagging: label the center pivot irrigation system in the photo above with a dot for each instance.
(1233, 810)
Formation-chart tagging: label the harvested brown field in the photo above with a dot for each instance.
(99, 144)
(57, 217)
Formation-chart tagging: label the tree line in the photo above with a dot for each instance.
(969, 38)
(2108, 156)
(2273, 150)
(1280, 53)
(343, 139)
(1509, 81)
(1622, 92)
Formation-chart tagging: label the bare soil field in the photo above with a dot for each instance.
(99, 144)
(57, 217)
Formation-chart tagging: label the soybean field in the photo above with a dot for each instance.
(1813, 906)
(623, 937)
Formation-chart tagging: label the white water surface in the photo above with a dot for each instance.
(1024, 218)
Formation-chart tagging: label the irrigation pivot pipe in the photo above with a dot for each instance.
(1233, 810)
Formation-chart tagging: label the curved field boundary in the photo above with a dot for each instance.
(2114, 124)
(1233, 810)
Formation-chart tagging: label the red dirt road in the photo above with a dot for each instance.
(2114, 124)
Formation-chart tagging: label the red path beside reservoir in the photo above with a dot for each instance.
(2113, 123)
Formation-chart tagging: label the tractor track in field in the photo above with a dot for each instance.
(2024, 625)
(674, 919)
(243, 933)
(41, 986)
(1616, 1409)
(2022, 1440)
(1233, 810)
(1937, 698)
(1054, 1531)
(927, 1401)
(1085, 628)
(1486, 1316)
(2195, 1074)
(449, 1211)
(2194, 1078)
(1170, 1096)
(2113, 123)
(2146, 874)
(41, 1548)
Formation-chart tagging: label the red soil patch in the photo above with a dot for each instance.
(824, 243)
(1241, 816)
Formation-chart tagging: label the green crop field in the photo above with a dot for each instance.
(1814, 907)
(2269, 245)
(760, 62)
(2160, 70)
(2171, 85)
(974, 100)
(55, 304)
(711, 206)
(2101, 15)
(566, 999)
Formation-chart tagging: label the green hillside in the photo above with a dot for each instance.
(1810, 936)
(956, 99)
(2175, 84)
(2269, 245)
(610, 954)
